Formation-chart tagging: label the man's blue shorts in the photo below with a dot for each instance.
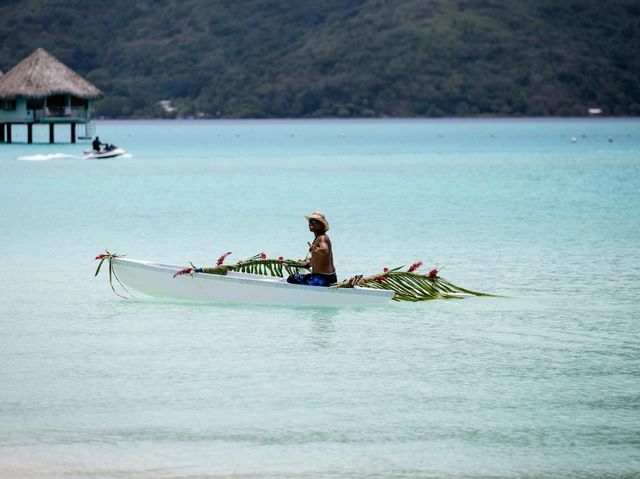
(313, 279)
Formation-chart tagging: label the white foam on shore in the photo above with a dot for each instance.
(51, 156)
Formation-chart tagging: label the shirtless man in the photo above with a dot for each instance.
(323, 273)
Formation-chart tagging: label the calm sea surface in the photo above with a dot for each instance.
(542, 382)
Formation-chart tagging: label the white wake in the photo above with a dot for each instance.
(51, 156)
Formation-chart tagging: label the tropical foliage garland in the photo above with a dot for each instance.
(109, 257)
(256, 264)
(411, 286)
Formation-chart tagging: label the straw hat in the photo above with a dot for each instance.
(316, 215)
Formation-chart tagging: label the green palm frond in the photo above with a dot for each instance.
(410, 286)
(258, 265)
(109, 257)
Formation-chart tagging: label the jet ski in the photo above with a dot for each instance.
(109, 151)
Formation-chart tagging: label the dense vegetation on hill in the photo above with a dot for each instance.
(339, 58)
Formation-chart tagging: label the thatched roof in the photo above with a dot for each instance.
(40, 75)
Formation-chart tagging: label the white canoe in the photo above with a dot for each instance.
(156, 279)
(101, 155)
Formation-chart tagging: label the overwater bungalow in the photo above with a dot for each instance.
(42, 90)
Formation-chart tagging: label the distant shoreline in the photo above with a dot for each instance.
(373, 120)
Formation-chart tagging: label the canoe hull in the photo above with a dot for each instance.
(156, 279)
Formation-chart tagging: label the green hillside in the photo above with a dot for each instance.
(339, 58)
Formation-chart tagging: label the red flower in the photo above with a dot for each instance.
(281, 258)
(386, 270)
(263, 255)
(101, 256)
(433, 273)
(415, 266)
(183, 271)
(221, 258)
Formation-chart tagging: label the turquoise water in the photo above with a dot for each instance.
(543, 382)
